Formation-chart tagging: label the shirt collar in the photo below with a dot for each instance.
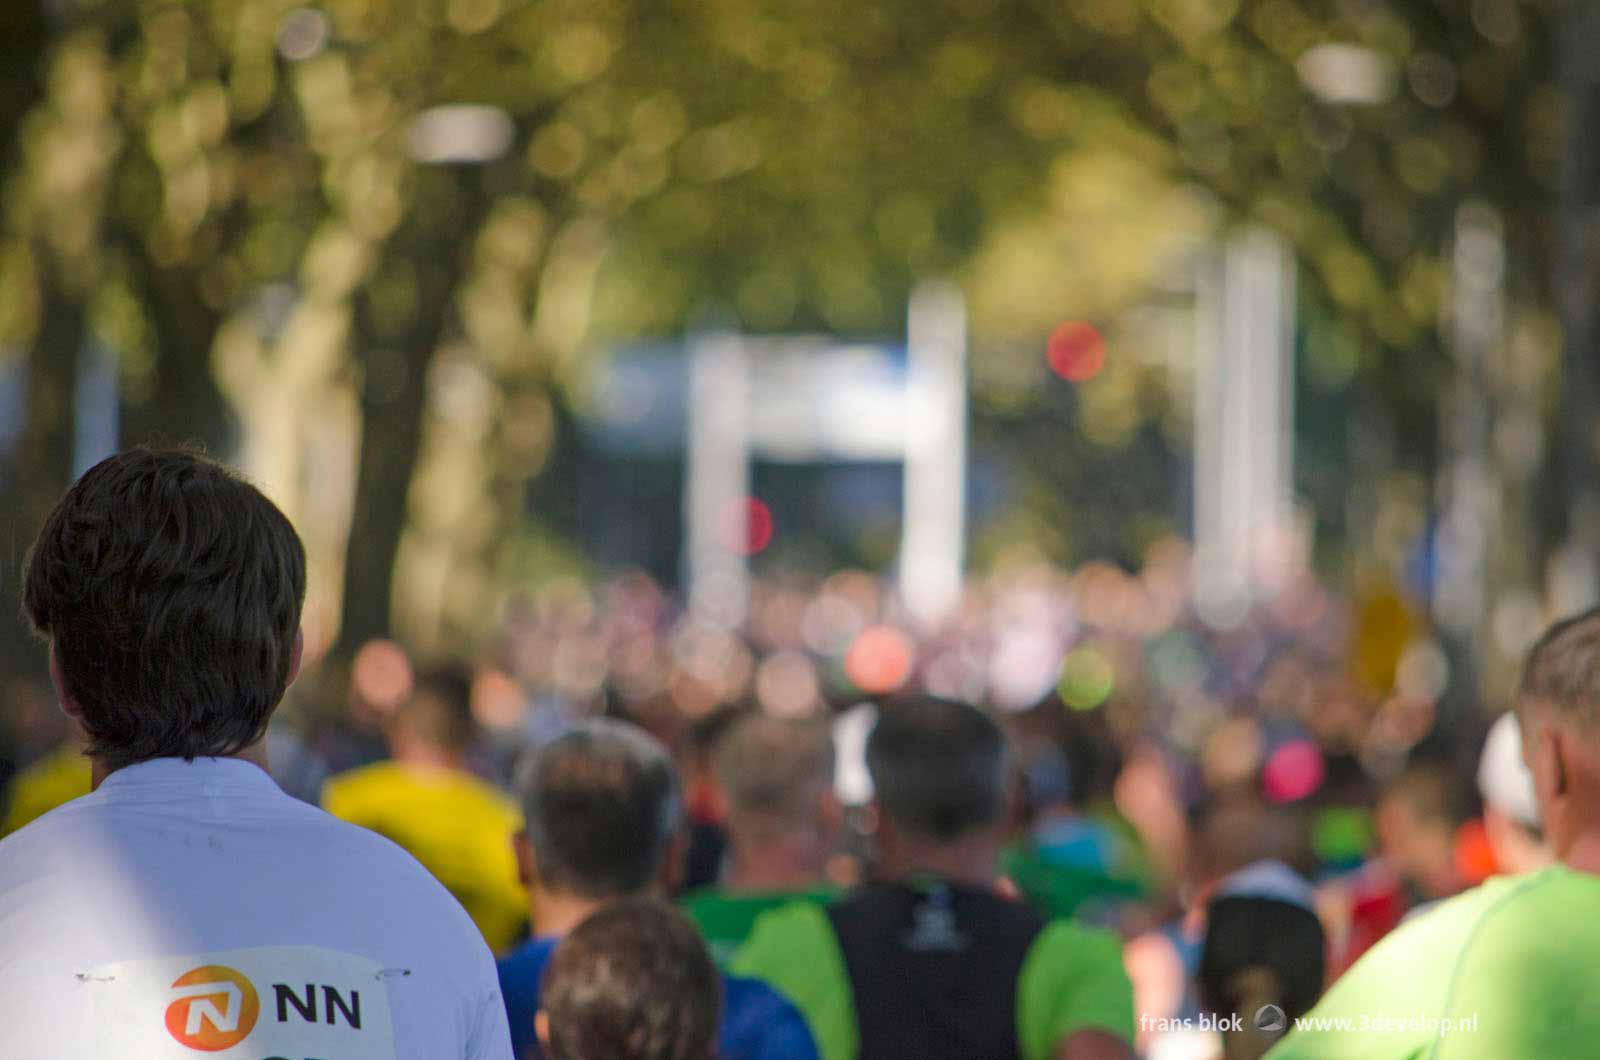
(216, 774)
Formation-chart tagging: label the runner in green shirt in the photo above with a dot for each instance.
(931, 963)
(1505, 971)
(726, 918)
(783, 822)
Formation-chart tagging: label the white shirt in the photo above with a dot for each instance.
(189, 910)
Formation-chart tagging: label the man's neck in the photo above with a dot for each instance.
(555, 913)
(1583, 855)
(788, 864)
(969, 860)
(427, 756)
(255, 754)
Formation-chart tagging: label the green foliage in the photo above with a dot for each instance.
(229, 190)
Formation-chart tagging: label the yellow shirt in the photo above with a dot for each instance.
(57, 778)
(459, 827)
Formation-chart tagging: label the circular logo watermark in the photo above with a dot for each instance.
(1270, 1019)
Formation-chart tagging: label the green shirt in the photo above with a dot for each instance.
(1070, 979)
(725, 918)
(1505, 971)
(1062, 890)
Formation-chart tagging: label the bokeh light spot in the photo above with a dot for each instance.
(1293, 771)
(880, 660)
(498, 702)
(745, 526)
(1341, 836)
(787, 685)
(380, 676)
(302, 34)
(1087, 678)
(1076, 351)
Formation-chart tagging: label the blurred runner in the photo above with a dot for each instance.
(188, 904)
(1229, 834)
(931, 962)
(1263, 958)
(426, 801)
(1068, 858)
(634, 981)
(64, 775)
(604, 813)
(1510, 808)
(1418, 816)
(783, 823)
(1506, 969)
(58, 777)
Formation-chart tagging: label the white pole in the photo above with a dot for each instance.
(1470, 492)
(717, 478)
(1268, 276)
(1244, 376)
(932, 541)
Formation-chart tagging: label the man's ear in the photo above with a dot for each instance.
(830, 811)
(1556, 752)
(527, 868)
(1542, 751)
(296, 654)
(1014, 813)
(675, 866)
(541, 1027)
(58, 681)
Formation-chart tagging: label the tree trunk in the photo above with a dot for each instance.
(184, 404)
(1578, 287)
(391, 434)
(394, 399)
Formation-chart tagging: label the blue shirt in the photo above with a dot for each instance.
(757, 1022)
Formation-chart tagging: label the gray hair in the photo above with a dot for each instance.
(1563, 667)
(773, 771)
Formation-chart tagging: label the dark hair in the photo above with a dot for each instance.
(170, 590)
(1248, 933)
(632, 982)
(601, 804)
(1433, 790)
(440, 708)
(1563, 666)
(938, 767)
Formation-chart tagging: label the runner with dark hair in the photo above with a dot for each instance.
(930, 963)
(187, 903)
(632, 982)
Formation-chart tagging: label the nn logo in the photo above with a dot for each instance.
(216, 1008)
(334, 1004)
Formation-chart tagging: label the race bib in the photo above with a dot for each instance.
(275, 1003)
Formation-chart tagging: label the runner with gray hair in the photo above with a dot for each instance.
(604, 825)
(1507, 968)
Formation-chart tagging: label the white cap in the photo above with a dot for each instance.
(1503, 779)
(1270, 879)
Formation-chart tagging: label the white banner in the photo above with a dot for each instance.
(275, 1003)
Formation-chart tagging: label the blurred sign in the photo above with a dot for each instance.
(723, 400)
(819, 399)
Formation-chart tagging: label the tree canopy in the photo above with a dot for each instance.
(258, 213)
